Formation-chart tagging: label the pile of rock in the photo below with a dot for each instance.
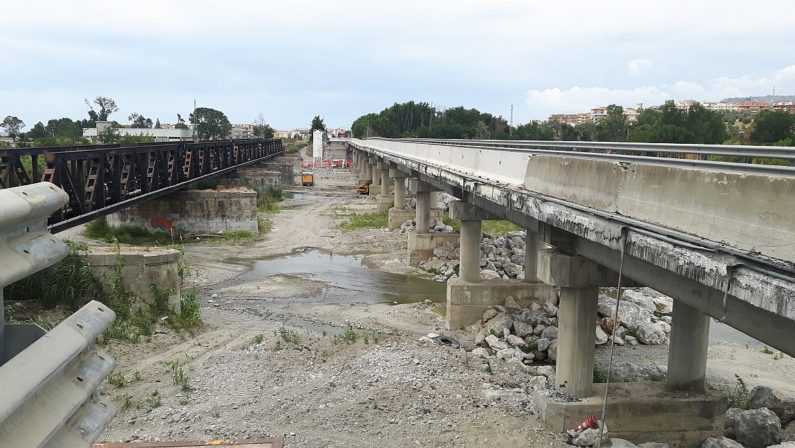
(644, 316)
(501, 257)
(530, 334)
(769, 421)
(526, 335)
(435, 226)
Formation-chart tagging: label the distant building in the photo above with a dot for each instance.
(686, 104)
(242, 131)
(718, 105)
(571, 119)
(786, 106)
(160, 135)
(598, 114)
(754, 106)
(632, 114)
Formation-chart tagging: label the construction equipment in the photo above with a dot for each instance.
(308, 179)
(364, 188)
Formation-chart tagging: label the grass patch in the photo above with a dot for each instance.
(117, 380)
(268, 202)
(351, 335)
(454, 223)
(264, 225)
(153, 400)
(70, 282)
(100, 230)
(364, 220)
(179, 376)
(499, 228)
(258, 339)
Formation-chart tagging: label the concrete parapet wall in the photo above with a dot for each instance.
(466, 302)
(193, 211)
(750, 212)
(140, 269)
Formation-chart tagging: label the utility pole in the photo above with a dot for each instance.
(195, 123)
(510, 128)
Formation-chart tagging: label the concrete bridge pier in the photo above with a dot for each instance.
(399, 213)
(422, 241)
(385, 199)
(468, 296)
(687, 352)
(579, 281)
(371, 162)
(375, 187)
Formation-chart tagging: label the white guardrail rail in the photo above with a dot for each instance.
(48, 380)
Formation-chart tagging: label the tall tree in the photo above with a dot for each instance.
(139, 121)
(261, 128)
(157, 124)
(772, 126)
(12, 125)
(38, 131)
(211, 124)
(180, 123)
(106, 107)
(613, 128)
(317, 124)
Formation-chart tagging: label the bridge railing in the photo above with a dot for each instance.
(101, 180)
(709, 154)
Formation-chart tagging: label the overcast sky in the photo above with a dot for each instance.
(291, 60)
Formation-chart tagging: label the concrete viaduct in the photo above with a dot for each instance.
(717, 237)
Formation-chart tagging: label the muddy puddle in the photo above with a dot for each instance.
(344, 279)
(300, 196)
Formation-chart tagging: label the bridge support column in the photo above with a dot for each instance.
(399, 213)
(531, 249)
(384, 199)
(687, 353)
(422, 241)
(375, 187)
(371, 161)
(579, 281)
(468, 296)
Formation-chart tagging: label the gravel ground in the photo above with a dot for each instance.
(271, 359)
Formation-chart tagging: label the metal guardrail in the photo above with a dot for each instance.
(657, 153)
(48, 380)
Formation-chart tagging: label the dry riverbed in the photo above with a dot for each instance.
(312, 333)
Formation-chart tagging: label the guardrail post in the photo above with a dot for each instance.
(49, 379)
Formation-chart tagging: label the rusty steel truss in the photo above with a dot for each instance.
(102, 179)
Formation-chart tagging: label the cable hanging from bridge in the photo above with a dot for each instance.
(616, 322)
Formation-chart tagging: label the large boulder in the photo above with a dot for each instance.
(496, 343)
(631, 314)
(755, 428)
(522, 329)
(720, 442)
(601, 336)
(652, 333)
(499, 324)
(783, 406)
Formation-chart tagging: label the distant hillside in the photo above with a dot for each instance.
(766, 98)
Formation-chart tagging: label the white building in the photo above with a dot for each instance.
(160, 135)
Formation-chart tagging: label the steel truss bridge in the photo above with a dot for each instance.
(101, 179)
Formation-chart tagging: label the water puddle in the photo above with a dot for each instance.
(347, 280)
(300, 196)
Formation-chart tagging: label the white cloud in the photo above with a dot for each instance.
(639, 66)
(544, 102)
